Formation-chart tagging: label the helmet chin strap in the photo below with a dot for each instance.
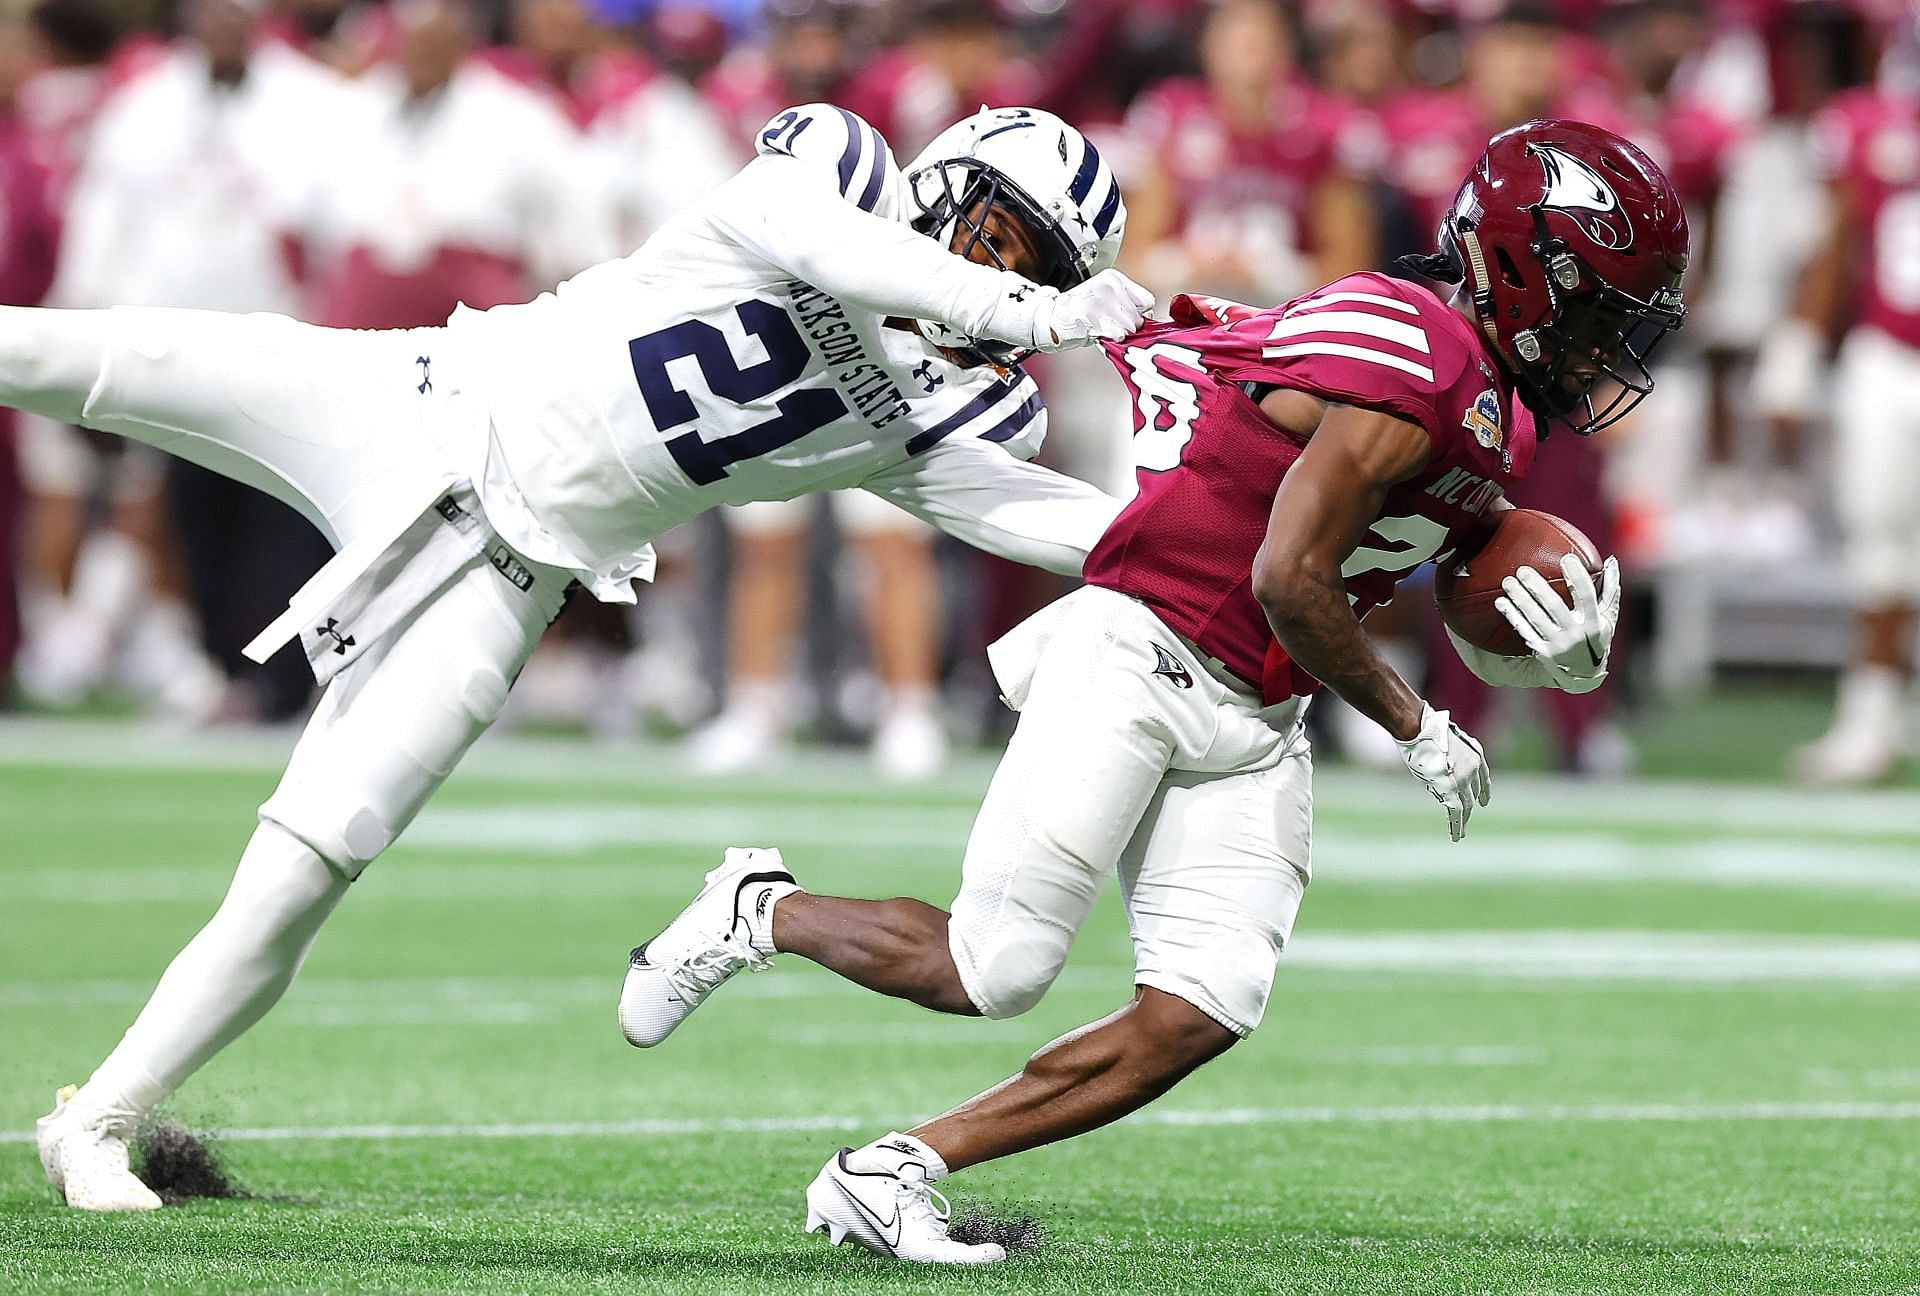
(1482, 287)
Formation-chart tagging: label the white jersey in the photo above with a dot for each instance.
(191, 190)
(744, 354)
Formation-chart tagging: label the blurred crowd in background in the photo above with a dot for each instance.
(370, 165)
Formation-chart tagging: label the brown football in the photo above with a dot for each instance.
(1465, 588)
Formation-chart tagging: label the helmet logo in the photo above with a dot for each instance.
(1583, 193)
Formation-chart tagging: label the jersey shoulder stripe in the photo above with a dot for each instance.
(1371, 328)
(999, 413)
(828, 135)
(1366, 355)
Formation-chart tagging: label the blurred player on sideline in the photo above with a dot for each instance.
(1865, 281)
(896, 580)
(1294, 463)
(29, 235)
(774, 339)
(449, 183)
(198, 180)
(1247, 186)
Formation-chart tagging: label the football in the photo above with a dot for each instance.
(1466, 587)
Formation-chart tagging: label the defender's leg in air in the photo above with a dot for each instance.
(321, 419)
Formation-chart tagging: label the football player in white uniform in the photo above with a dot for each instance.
(820, 321)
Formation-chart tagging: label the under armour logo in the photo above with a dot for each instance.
(1080, 219)
(426, 374)
(924, 372)
(340, 642)
(1020, 293)
(1165, 663)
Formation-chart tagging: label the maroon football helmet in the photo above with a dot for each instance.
(1572, 244)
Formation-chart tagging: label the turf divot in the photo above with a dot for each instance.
(182, 1165)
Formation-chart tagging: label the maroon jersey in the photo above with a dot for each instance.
(1210, 463)
(1870, 147)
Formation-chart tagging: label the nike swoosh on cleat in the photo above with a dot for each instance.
(776, 875)
(889, 1229)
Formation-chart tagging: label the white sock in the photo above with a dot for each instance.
(891, 1154)
(760, 917)
(225, 979)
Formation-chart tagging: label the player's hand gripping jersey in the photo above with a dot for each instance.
(1210, 463)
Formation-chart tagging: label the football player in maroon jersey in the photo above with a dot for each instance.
(1294, 463)
(1864, 281)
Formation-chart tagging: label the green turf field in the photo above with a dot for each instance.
(1647, 1038)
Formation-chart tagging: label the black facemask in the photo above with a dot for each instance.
(988, 190)
(1614, 333)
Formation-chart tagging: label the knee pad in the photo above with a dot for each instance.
(1007, 971)
(364, 768)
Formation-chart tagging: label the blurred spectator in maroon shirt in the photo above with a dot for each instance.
(1513, 73)
(1242, 188)
(29, 234)
(957, 56)
(72, 42)
(808, 57)
(558, 46)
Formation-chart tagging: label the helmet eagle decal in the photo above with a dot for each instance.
(1574, 187)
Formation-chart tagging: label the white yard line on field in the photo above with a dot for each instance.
(1522, 800)
(932, 841)
(1439, 1114)
(1514, 960)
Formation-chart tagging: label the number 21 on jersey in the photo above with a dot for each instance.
(799, 412)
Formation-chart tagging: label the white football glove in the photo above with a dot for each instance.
(1451, 764)
(1109, 305)
(1571, 642)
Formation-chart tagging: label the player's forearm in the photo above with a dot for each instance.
(1018, 511)
(1306, 604)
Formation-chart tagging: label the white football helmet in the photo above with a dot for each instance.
(1035, 166)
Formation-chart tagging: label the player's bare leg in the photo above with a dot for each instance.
(903, 607)
(1082, 1081)
(763, 616)
(895, 947)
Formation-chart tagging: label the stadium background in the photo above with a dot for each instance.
(371, 164)
(1642, 1031)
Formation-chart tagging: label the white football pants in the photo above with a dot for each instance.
(1134, 756)
(1876, 466)
(318, 418)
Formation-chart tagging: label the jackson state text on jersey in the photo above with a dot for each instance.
(1210, 463)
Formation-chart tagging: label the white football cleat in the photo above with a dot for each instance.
(85, 1157)
(727, 929)
(892, 1211)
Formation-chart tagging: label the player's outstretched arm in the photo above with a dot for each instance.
(977, 492)
(1327, 502)
(816, 203)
